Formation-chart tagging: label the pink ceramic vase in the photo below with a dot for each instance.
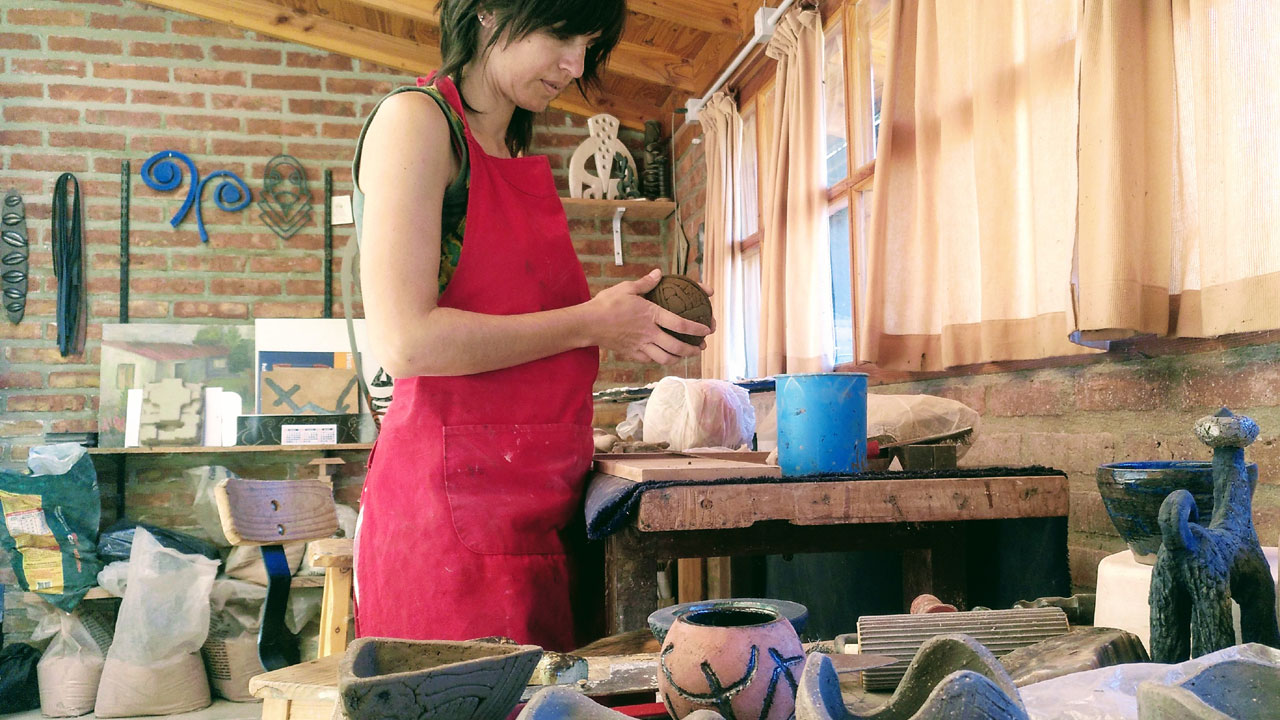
(742, 662)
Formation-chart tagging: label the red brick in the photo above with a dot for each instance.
(138, 23)
(223, 147)
(137, 308)
(10, 90)
(96, 141)
(21, 380)
(85, 93)
(341, 131)
(248, 241)
(972, 396)
(259, 103)
(323, 61)
(314, 151)
(285, 264)
(209, 263)
(547, 139)
(357, 86)
(84, 46)
(307, 239)
(79, 379)
(334, 108)
(45, 115)
(22, 331)
(244, 286)
(56, 66)
(286, 310)
(19, 41)
(45, 403)
(304, 287)
(1041, 395)
(43, 356)
(234, 310)
(171, 50)
(123, 71)
(270, 126)
(208, 76)
(20, 428)
(166, 286)
(122, 118)
(166, 97)
(629, 271)
(182, 236)
(57, 18)
(47, 163)
(205, 28)
(9, 138)
(257, 56)
(225, 123)
(308, 83)
(154, 144)
(137, 261)
(76, 425)
(373, 68)
(102, 284)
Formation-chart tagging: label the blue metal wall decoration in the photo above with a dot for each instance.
(160, 172)
(285, 199)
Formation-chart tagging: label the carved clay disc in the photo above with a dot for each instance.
(685, 298)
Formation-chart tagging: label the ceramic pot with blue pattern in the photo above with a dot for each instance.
(743, 662)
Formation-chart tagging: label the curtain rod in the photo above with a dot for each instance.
(765, 21)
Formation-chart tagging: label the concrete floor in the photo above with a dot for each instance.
(219, 710)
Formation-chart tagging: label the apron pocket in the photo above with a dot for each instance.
(513, 488)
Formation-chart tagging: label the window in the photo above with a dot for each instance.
(835, 112)
(748, 250)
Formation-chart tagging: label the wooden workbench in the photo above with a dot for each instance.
(929, 520)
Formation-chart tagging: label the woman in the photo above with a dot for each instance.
(475, 299)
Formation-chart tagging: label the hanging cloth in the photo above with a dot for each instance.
(68, 264)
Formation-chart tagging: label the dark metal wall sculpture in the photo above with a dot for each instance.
(654, 179)
(14, 251)
(68, 263)
(328, 243)
(285, 200)
(125, 173)
(160, 172)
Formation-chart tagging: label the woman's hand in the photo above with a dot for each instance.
(632, 327)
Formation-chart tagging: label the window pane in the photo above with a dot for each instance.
(833, 93)
(751, 310)
(841, 291)
(750, 223)
(873, 25)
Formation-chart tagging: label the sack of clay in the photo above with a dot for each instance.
(698, 413)
(71, 666)
(154, 666)
(244, 562)
(231, 650)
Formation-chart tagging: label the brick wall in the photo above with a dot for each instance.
(87, 84)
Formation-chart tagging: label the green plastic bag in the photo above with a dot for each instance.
(50, 531)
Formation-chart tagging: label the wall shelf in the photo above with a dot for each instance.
(635, 209)
(212, 450)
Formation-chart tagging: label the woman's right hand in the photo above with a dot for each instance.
(621, 320)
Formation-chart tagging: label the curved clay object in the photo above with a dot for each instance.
(952, 676)
(385, 679)
(14, 252)
(562, 703)
(685, 298)
(1228, 690)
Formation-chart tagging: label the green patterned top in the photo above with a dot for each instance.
(453, 220)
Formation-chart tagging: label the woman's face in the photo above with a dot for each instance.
(534, 69)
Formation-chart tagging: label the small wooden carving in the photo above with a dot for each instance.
(1200, 569)
(603, 146)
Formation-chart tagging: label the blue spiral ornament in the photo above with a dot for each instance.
(230, 195)
(162, 172)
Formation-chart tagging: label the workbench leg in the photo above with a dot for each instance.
(275, 709)
(335, 605)
(631, 583)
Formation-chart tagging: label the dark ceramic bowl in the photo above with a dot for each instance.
(660, 621)
(1133, 491)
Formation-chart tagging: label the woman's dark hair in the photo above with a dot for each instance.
(460, 39)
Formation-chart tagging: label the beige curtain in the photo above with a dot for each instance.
(725, 355)
(796, 326)
(973, 217)
(1179, 168)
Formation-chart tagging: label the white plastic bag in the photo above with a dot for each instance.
(69, 670)
(54, 459)
(632, 427)
(894, 420)
(698, 413)
(153, 666)
(205, 478)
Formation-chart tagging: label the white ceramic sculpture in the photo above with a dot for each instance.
(603, 146)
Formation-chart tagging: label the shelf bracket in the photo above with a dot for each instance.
(617, 234)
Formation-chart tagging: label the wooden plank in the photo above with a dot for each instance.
(635, 209)
(267, 512)
(690, 573)
(335, 605)
(331, 552)
(713, 16)
(681, 468)
(710, 507)
(314, 681)
(232, 450)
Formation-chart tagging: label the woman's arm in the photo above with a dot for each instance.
(404, 182)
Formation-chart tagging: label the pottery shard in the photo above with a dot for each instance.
(685, 298)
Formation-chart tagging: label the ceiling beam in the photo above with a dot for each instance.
(634, 60)
(345, 39)
(713, 16)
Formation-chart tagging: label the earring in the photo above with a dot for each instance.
(486, 19)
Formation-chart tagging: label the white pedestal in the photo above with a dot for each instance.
(1123, 587)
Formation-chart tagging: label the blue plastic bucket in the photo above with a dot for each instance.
(822, 423)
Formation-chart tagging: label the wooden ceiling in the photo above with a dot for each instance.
(670, 51)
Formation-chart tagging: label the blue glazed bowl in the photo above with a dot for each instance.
(1133, 491)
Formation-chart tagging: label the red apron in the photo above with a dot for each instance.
(473, 479)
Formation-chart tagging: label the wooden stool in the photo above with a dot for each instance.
(307, 691)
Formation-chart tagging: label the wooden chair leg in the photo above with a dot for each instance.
(335, 605)
(275, 709)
